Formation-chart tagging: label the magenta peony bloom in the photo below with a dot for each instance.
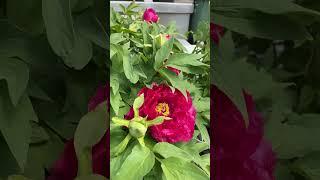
(66, 167)
(216, 32)
(150, 15)
(238, 152)
(161, 101)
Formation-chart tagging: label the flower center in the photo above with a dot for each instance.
(163, 109)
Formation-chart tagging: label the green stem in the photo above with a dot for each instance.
(120, 122)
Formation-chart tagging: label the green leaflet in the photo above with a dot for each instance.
(59, 26)
(163, 54)
(17, 82)
(178, 169)
(138, 163)
(15, 125)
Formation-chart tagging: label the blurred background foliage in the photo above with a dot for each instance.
(52, 57)
(271, 50)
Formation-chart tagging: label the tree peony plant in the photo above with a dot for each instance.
(159, 99)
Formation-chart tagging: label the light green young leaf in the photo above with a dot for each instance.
(163, 54)
(137, 164)
(178, 169)
(138, 102)
(128, 67)
(115, 100)
(116, 38)
(92, 127)
(184, 59)
(91, 177)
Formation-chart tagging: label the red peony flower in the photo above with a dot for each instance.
(66, 167)
(239, 153)
(150, 15)
(216, 32)
(161, 101)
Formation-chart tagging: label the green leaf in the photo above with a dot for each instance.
(92, 177)
(114, 83)
(263, 26)
(115, 100)
(290, 141)
(226, 47)
(128, 67)
(309, 165)
(228, 82)
(90, 28)
(283, 172)
(18, 177)
(163, 54)
(80, 5)
(116, 38)
(167, 150)
(39, 135)
(92, 127)
(36, 92)
(115, 151)
(15, 125)
(202, 104)
(59, 26)
(138, 102)
(81, 53)
(178, 169)
(26, 15)
(175, 81)
(116, 162)
(16, 73)
(184, 59)
(137, 164)
(203, 130)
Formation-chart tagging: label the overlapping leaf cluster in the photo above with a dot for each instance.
(282, 75)
(139, 58)
(53, 56)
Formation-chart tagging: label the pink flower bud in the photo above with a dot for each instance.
(150, 15)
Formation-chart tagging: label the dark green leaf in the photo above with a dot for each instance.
(59, 26)
(16, 73)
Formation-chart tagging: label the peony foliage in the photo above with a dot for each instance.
(159, 99)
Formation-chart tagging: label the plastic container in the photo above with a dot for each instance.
(179, 12)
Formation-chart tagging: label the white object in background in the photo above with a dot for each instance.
(168, 12)
(183, 1)
(189, 47)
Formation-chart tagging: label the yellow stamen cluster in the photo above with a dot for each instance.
(163, 109)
